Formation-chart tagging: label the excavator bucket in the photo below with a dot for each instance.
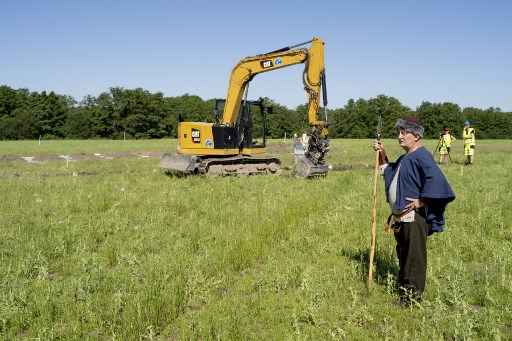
(304, 167)
(178, 164)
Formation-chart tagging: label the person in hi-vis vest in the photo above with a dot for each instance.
(468, 135)
(444, 145)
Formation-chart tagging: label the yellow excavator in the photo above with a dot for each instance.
(226, 147)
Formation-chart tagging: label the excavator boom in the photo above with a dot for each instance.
(249, 67)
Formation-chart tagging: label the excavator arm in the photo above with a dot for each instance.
(313, 78)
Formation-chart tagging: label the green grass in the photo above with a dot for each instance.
(123, 252)
(53, 147)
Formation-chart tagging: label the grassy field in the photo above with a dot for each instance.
(112, 249)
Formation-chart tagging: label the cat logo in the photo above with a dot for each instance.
(266, 64)
(196, 135)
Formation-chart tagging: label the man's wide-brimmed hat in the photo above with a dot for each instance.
(411, 125)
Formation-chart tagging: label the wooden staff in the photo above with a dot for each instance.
(374, 220)
(374, 208)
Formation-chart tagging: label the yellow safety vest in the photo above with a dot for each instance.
(469, 136)
(447, 140)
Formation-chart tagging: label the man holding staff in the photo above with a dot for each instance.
(417, 192)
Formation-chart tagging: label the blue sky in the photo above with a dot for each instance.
(458, 51)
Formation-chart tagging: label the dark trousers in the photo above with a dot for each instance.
(411, 249)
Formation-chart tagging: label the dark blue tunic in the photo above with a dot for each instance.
(421, 178)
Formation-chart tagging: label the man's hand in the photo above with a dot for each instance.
(378, 146)
(414, 204)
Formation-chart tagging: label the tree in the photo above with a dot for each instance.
(7, 128)
(50, 111)
(436, 116)
(358, 119)
(79, 124)
(25, 124)
(142, 114)
(390, 109)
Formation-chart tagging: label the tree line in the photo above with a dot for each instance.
(138, 113)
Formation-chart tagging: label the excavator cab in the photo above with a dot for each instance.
(251, 126)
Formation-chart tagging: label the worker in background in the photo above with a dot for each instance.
(444, 145)
(417, 192)
(468, 135)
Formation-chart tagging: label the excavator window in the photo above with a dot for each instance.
(252, 123)
(218, 109)
(258, 114)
